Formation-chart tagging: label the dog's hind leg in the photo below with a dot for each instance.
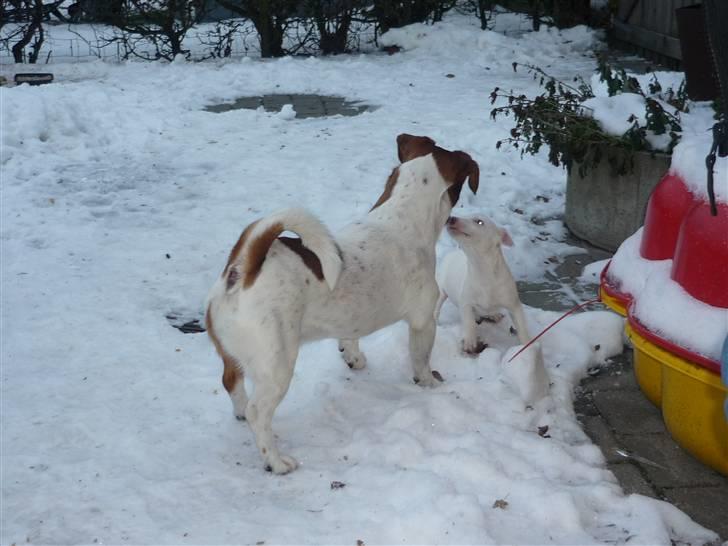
(440, 300)
(233, 379)
(421, 341)
(354, 358)
(272, 379)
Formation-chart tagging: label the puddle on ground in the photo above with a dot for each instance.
(306, 106)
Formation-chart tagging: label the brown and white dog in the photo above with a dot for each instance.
(278, 292)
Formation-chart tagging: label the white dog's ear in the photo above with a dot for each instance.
(505, 237)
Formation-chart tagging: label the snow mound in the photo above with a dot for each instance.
(688, 162)
(121, 199)
(613, 113)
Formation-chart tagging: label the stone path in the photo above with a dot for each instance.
(624, 424)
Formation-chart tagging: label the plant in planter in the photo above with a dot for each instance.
(615, 148)
(563, 118)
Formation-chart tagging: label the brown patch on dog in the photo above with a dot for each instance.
(388, 188)
(308, 256)
(231, 373)
(232, 272)
(256, 252)
(455, 167)
(239, 245)
(411, 146)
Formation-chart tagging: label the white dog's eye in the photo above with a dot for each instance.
(479, 222)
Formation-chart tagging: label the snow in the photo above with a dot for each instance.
(629, 271)
(287, 112)
(688, 157)
(661, 304)
(121, 198)
(613, 113)
(526, 372)
(592, 272)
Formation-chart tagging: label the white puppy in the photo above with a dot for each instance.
(278, 292)
(477, 278)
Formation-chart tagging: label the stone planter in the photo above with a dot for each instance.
(604, 209)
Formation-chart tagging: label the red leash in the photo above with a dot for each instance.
(554, 323)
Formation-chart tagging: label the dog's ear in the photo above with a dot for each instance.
(473, 175)
(455, 167)
(411, 146)
(505, 237)
(467, 167)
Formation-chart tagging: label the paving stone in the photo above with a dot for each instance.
(706, 505)
(614, 382)
(596, 428)
(573, 265)
(669, 465)
(629, 412)
(617, 375)
(584, 405)
(631, 479)
(548, 300)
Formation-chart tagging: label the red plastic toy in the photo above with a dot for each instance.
(666, 208)
(700, 264)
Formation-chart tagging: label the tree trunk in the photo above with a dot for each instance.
(271, 37)
(336, 41)
(484, 8)
(36, 23)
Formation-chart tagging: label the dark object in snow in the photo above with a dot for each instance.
(500, 503)
(437, 376)
(391, 50)
(359, 542)
(168, 256)
(720, 145)
(513, 331)
(542, 431)
(33, 78)
(449, 75)
(192, 326)
(479, 348)
(597, 347)
(337, 485)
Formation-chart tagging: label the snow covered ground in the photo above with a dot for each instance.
(121, 198)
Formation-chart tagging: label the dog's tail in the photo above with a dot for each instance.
(249, 253)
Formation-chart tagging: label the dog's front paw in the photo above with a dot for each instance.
(354, 358)
(355, 361)
(283, 464)
(473, 348)
(433, 380)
